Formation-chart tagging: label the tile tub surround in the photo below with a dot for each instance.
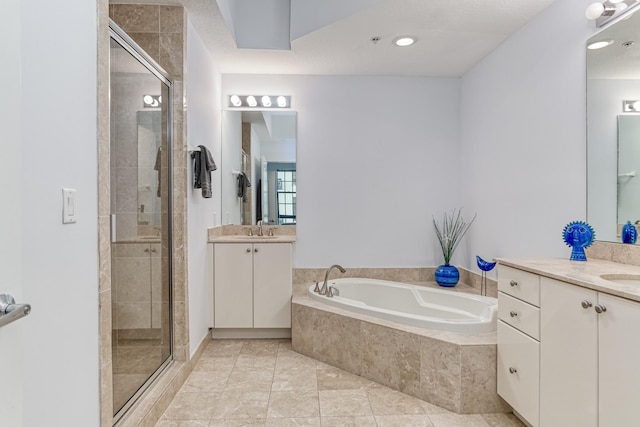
(454, 371)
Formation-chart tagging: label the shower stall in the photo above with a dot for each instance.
(140, 197)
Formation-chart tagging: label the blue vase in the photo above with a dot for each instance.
(447, 275)
(629, 233)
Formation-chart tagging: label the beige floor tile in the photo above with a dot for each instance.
(457, 420)
(234, 422)
(337, 403)
(191, 406)
(364, 421)
(293, 422)
(239, 404)
(430, 408)
(216, 364)
(300, 379)
(183, 423)
(260, 347)
(290, 359)
(250, 380)
(502, 420)
(250, 361)
(223, 348)
(385, 401)
(291, 404)
(330, 378)
(203, 381)
(403, 420)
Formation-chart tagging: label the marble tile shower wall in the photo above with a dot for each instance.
(160, 31)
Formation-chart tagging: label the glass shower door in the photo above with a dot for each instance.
(140, 120)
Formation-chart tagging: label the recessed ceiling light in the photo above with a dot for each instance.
(404, 41)
(600, 44)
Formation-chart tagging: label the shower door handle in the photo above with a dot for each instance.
(10, 311)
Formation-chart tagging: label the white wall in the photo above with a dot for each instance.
(60, 376)
(373, 157)
(203, 115)
(524, 138)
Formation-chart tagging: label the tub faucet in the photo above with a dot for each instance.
(323, 290)
(260, 228)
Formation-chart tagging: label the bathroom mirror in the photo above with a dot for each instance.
(613, 76)
(258, 167)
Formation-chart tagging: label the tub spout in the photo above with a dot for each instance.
(324, 290)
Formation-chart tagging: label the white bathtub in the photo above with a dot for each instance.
(412, 305)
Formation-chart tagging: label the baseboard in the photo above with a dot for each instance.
(249, 333)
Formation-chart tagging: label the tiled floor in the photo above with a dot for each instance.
(265, 383)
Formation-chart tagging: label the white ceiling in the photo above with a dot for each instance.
(453, 36)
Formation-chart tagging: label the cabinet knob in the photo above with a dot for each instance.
(586, 304)
(513, 314)
(513, 283)
(146, 250)
(248, 250)
(153, 250)
(255, 250)
(600, 308)
(512, 370)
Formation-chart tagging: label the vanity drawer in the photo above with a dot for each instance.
(518, 372)
(520, 284)
(519, 314)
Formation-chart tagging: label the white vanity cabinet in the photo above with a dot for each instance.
(589, 359)
(518, 341)
(567, 355)
(252, 285)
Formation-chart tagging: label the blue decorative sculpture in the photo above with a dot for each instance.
(578, 235)
(629, 233)
(484, 266)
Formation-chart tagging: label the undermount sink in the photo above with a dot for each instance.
(623, 279)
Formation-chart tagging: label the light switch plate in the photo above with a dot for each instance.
(68, 205)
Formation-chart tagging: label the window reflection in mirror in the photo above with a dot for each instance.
(613, 75)
(258, 167)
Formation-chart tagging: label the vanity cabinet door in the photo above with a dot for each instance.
(568, 355)
(233, 285)
(619, 372)
(272, 285)
(518, 368)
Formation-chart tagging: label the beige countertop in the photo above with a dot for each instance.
(587, 274)
(252, 239)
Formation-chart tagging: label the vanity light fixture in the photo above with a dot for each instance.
(600, 44)
(151, 101)
(632, 106)
(603, 11)
(260, 101)
(404, 41)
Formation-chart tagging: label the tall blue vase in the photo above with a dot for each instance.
(447, 275)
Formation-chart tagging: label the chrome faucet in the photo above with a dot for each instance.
(260, 228)
(324, 290)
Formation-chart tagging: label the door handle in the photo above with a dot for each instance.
(10, 311)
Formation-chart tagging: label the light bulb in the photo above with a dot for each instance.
(615, 1)
(600, 44)
(147, 99)
(251, 100)
(282, 101)
(266, 101)
(636, 106)
(235, 100)
(404, 41)
(594, 11)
